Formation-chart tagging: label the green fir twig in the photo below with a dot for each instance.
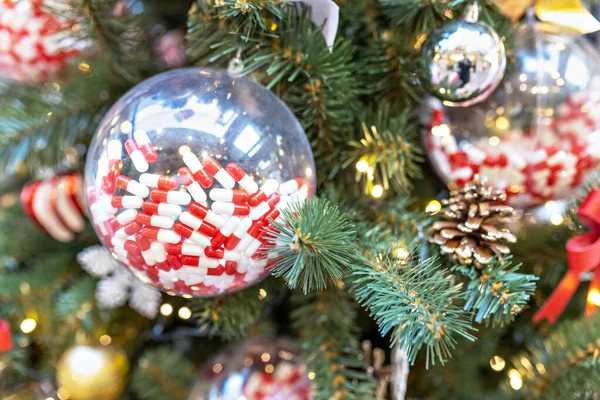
(314, 243)
(415, 300)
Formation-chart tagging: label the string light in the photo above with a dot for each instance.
(311, 375)
(440, 130)
(556, 219)
(540, 367)
(63, 394)
(497, 363)
(515, 380)
(402, 253)
(28, 325)
(494, 141)
(184, 149)
(166, 309)
(362, 166)
(433, 207)
(217, 368)
(262, 293)
(105, 340)
(377, 191)
(502, 123)
(594, 297)
(184, 313)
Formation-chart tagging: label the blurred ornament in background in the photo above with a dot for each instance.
(375, 359)
(6, 342)
(171, 48)
(117, 285)
(56, 205)
(462, 61)
(35, 44)
(185, 174)
(537, 136)
(92, 373)
(257, 369)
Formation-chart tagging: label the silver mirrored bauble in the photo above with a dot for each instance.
(462, 62)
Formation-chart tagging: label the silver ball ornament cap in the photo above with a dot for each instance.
(463, 61)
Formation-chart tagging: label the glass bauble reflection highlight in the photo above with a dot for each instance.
(537, 135)
(462, 61)
(185, 175)
(258, 369)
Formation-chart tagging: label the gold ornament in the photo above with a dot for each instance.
(92, 372)
(469, 231)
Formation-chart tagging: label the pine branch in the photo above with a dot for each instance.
(565, 365)
(13, 366)
(326, 321)
(43, 125)
(79, 293)
(314, 243)
(162, 373)
(120, 37)
(389, 151)
(496, 293)
(21, 239)
(41, 276)
(388, 64)
(230, 316)
(249, 15)
(422, 16)
(414, 300)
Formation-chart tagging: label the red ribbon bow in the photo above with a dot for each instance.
(583, 255)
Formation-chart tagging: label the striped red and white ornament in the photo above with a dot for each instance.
(56, 205)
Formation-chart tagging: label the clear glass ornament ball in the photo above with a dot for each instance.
(537, 135)
(257, 369)
(185, 175)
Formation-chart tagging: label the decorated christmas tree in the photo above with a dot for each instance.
(240, 199)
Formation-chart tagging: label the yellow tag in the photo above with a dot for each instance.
(567, 13)
(513, 9)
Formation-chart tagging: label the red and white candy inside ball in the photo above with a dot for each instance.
(538, 135)
(187, 210)
(257, 369)
(35, 44)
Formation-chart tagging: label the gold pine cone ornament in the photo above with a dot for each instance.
(470, 227)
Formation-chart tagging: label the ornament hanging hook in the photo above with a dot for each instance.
(236, 65)
(472, 12)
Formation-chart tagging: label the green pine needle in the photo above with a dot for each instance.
(414, 300)
(162, 373)
(496, 292)
(390, 147)
(231, 315)
(566, 365)
(315, 243)
(326, 322)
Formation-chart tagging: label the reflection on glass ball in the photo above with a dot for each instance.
(186, 173)
(258, 369)
(536, 136)
(462, 62)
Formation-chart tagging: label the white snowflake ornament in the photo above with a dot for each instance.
(117, 285)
